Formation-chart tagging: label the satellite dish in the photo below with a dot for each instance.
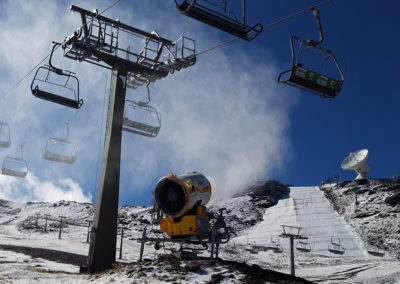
(357, 161)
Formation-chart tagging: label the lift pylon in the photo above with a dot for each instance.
(107, 43)
(293, 233)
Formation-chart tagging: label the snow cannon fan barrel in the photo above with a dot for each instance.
(357, 161)
(182, 198)
(175, 195)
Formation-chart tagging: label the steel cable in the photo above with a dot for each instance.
(47, 56)
(268, 25)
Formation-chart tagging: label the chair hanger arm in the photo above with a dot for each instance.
(319, 25)
(57, 70)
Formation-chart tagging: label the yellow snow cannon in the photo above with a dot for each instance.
(182, 198)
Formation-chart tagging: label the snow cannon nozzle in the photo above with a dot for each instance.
(177, 194)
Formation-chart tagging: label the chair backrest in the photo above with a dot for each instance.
(149, 127)
(61, 88)
(14, 166)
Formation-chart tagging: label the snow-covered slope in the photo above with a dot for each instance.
(307, 208)
(30, 249)
(373, 211)
(247, 207)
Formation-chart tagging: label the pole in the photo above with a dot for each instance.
(61, 223)
(88, 231)
(45, 224)
(291, 256)
(244, 13)
(37, 220)
(213, 233)
(120, 246)
(104, 232)
(142, 244)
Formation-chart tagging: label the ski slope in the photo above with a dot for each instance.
(307, 208)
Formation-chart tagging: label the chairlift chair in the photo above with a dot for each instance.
(5, 139)
(60, 149)
(222, 21)
(231, 249)
(141, 128)
(306, 79)
(376, 251)
(56, 85)
(146, 127)
(15, 166)
(303, 245)
(275, 244)
(250, 247)
(335, 246)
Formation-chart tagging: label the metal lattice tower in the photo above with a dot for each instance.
(103, 40)
(107, 43)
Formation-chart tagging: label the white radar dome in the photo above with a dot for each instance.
(357, 161)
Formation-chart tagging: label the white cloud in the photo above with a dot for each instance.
(33, 189)
(224, 117)
(231, 125)
(7, 187)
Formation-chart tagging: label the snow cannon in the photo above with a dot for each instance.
(182, 198)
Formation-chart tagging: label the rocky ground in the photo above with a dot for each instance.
(245, 210)
(167, 268)
(32, 251)
(249, 204)
(372, 208)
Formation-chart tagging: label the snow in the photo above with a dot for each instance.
(308, 209)
(368, 209)
(258, 231)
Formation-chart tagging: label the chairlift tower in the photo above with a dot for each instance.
(292, 232)
(99, 41)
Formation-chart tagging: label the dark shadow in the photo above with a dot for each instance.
(48, 254)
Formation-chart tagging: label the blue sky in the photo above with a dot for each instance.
(226, 116)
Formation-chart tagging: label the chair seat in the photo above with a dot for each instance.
(56, 98)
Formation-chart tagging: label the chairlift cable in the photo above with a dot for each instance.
(296, 14)
(219, 45)
(24, 77)
(38, 64)
(57, 125)
(268, 25)
(47, 56)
